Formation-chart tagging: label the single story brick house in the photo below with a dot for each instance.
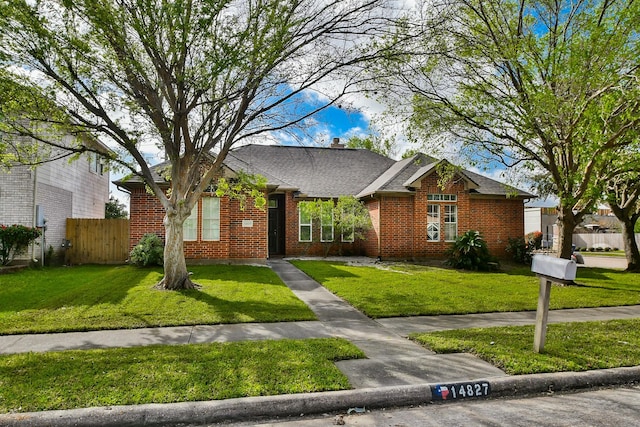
(412, 217)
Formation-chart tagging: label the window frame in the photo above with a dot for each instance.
(215, 220)
(301, 224)
(452, 213)
(433, 223)
(188, 228)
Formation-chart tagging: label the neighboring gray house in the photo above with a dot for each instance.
(53, 192)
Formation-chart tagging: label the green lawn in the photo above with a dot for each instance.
(409, 290)
(569, 346)
(614, 254)
(163, 374)
(107, 297)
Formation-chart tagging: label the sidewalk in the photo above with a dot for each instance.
(396, 372)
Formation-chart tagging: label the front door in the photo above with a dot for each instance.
(276, 225)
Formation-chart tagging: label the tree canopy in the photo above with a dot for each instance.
(192, 77)
(550, 86)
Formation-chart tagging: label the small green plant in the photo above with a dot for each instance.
(14, 240)
(149, 251)
(470, 252)
(521, 248)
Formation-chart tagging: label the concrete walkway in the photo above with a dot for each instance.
(396, 371)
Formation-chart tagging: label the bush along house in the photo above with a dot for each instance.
(413, 215)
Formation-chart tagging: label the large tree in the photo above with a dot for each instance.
(623, 197)
(550, 85)
(192, 76)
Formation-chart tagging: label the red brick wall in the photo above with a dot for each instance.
(399, 222)
(236, 241)
(396, 227)
(246, 242)
(402, 228)
(371, 244)
(146, 216)
(497, 220)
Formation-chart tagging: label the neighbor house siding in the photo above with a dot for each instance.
(16, 196)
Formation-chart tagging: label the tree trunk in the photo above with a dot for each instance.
(176, 275)
(630, 245)
(567, 223)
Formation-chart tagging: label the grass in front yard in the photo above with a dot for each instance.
(410, 290)
(107, 297)
(163, 374)
(569, 346)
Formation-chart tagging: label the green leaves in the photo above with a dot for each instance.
(242, 187)
(14, 240)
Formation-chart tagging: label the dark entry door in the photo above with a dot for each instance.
(276, 225)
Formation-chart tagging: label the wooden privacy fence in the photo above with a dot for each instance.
(97, 241)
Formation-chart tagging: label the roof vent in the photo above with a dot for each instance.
(336, 143)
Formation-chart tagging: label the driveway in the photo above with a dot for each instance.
(605, 261)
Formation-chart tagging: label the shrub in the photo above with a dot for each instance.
(519, 251)
(470, 252)
(14, 240)
(521, 248)
(599, 249)
(607, 249)
(534, 239)
(591, 249)
(149, 251)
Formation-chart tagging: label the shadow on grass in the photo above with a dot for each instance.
(87, 285)
(321, 271)
(253, 311)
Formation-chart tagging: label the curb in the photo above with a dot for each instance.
(253, 408)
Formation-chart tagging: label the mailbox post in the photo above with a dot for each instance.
(548, 269)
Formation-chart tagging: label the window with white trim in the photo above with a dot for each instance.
(450, 223)
(433, 223)
(210, 219)
(326, 222)
(304, 223)
(442, 197)
(190, 226)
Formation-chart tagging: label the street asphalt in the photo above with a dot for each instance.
(397, 372)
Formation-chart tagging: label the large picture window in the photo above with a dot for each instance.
(433, 223)
(211, 218)
(190, 226)
(304, 223)
(450, 223)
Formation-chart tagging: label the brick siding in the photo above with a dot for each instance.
(399, 226)
(400, 223)
(236, 241)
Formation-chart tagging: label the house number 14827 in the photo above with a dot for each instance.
(460, 390)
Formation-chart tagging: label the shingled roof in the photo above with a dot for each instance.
(315, 172)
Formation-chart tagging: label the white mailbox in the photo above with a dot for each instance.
(552, 267)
